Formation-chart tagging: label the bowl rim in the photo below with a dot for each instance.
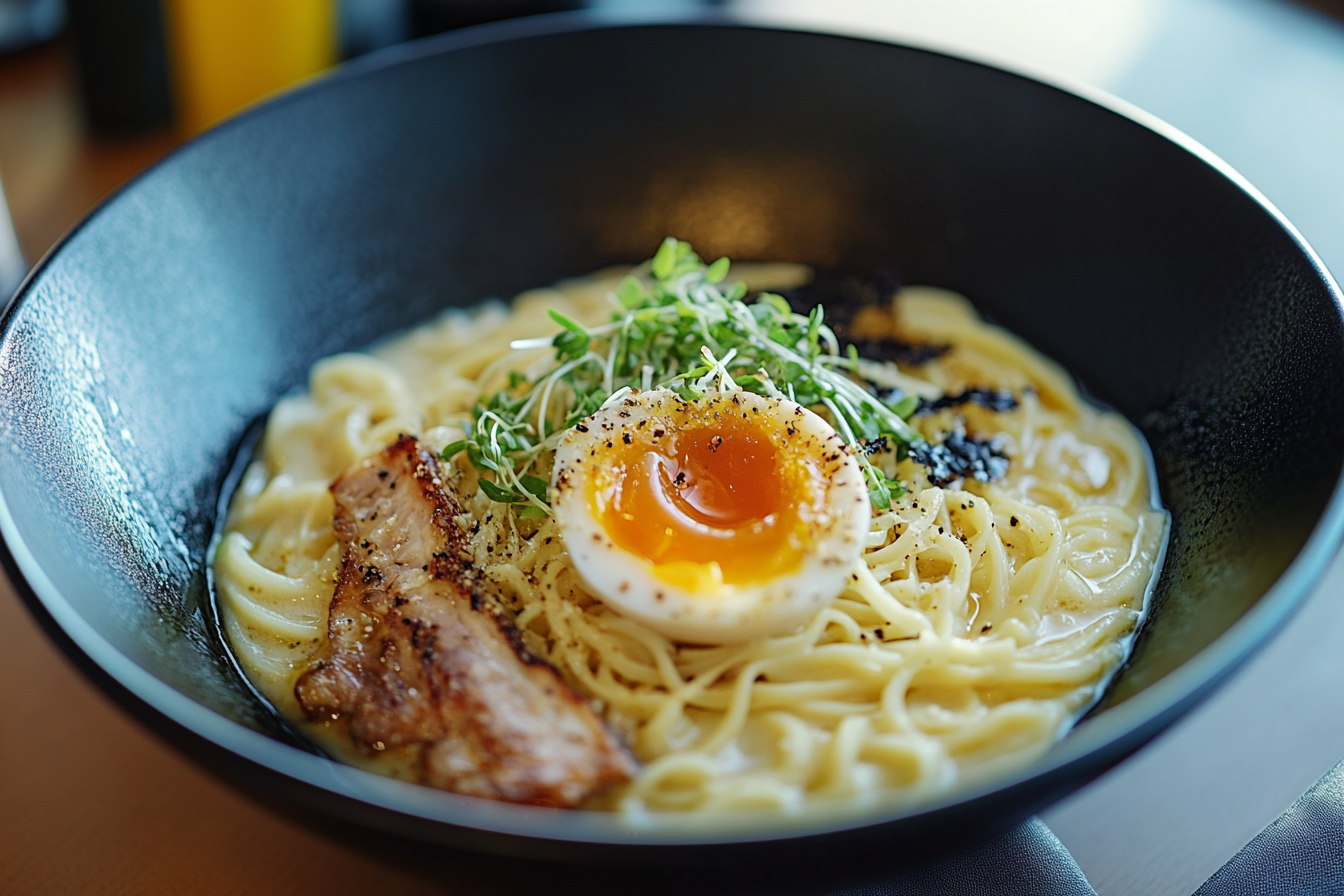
(1119, 730)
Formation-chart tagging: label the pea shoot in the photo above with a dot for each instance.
(687, 329)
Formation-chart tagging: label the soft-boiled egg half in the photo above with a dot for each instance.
(714, 521)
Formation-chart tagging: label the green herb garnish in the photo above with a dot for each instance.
(689, 331)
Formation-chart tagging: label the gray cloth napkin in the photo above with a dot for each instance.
(1029, 859)
(1299, 854)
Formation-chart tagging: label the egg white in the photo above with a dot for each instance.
(715, 613)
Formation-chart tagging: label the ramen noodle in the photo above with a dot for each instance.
(981, 620)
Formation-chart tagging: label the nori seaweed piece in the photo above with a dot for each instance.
(990, 399)
(844, 294)
(958, 456)
(912, 353)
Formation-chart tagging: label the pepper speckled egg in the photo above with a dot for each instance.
(714, 521)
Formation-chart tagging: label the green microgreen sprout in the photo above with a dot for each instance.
(683, 327)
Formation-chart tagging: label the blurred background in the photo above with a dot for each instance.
(92, 91)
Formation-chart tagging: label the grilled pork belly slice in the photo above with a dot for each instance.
(420, 658)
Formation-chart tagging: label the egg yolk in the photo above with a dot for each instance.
(708, 505)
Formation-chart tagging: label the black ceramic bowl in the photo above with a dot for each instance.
(140, 352)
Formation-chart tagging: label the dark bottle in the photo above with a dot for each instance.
(123, 64)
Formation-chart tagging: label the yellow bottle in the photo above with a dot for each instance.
(227, 54)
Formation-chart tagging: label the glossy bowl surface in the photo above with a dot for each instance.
(140, 352)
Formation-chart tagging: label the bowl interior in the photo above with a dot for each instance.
(145, 347)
